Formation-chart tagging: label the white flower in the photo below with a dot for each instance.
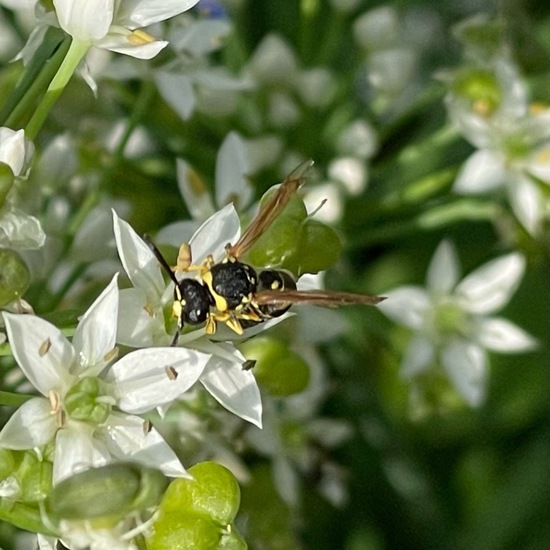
(141, 314)
(113, 25)
(15, 150)
(231, 186)
(513, 145)
(451, 320)
(77, 408)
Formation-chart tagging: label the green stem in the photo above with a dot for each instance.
(76, 52)
(22, 516)
(9, 399)
(34, 82)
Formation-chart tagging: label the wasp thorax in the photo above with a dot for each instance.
(233, 282)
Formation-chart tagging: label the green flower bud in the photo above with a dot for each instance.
(279, 370)
(34, 477)
(213, 492)
(14, 277)
(110, 491)
(81, 401)
(177, 531)
(480, 87)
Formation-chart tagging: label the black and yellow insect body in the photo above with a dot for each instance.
(233, 292)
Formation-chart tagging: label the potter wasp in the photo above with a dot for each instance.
(235, 293)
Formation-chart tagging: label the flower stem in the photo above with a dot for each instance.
(9, 399)
(76, 52)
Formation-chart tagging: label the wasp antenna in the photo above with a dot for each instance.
(158, 255)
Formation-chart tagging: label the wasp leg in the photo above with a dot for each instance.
(226, 317)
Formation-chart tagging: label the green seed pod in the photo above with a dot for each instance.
(81, 401)
(113, 490)
(179, 531)
(213, 492)
(281, 239)
(278, 369)
(319, 248)
(14, 277)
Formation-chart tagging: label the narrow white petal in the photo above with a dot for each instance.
(482, 172)
(501, 335)
(177, 90)
(539, 163)
(406, 305)
(95, 335)
(234, 388)
(215, 233)
(232, 172)
(444, 270)
(138, 260)
(467, 367)
(142, 13)
(419, 355)
(87, 20)
(76, 450)
(526, 201)
(42, 352)
(152, 377)
(139, 325)
(178, 232)
(491, 286)
(31, 425)
(193, 190)
(127, 439)
(121, 44)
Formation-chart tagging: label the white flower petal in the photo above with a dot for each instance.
(234, 388)
(142, 13)
(139, 325)
(467, 367)
(122, 44)
(215, 233)
(87, 21)
(419, 355)
(483, 171)
(95, 335)
(138, 260)
(76, 450)
(406, 306)
(443, 271)
(194, 193)
(42, 352)
(526, 201)
(31, 425)
(232, 172)
(152, 377)
(126, 439)
(539, 163)
(501, 335)
(19, 230)
(491, 286)
(176, 89)
(178, 232)
(15, 150)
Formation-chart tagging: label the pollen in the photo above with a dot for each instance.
(139, 38)
(171, 372)
(44, 347)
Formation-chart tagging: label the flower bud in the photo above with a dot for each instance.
(82, 403)
(14, 276)
(108, 491)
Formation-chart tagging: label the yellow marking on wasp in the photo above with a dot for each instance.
(220, 301)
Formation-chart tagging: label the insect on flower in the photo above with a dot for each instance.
(235, 293)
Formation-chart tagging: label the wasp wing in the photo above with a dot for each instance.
(324, 298)
(268, 213)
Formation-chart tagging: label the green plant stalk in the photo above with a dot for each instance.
(76, 52)
(44, 56)
(9, 399)
(23, 516)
